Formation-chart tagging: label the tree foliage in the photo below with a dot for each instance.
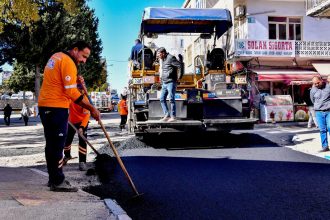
(55, 30)
(26, 12)
(22, 78)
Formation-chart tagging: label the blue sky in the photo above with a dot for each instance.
(119, 24)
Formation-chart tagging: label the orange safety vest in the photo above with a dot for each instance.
(78, 114)
(59, 85)
(123, 110)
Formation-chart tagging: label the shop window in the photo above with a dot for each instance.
(284, 28)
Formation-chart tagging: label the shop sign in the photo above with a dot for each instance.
(267, 48)
(240, 79)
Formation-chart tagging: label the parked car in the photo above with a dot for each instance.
(5, 97)
(15, 96)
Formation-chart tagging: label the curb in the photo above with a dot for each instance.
(116, 210)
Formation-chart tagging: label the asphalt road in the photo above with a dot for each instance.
(245, 176)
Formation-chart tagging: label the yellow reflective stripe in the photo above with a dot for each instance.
(60, 163)
(70, 86)
(83, 149)
(82, 152)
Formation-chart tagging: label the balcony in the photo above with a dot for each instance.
(282, 48)
(318, 8)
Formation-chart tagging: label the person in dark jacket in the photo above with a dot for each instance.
(311, 111)
(320, 96)
(170, 72)
(135, 50)
(7, 113)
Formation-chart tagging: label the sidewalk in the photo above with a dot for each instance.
(24, 195)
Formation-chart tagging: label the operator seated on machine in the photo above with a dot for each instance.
(136, 56)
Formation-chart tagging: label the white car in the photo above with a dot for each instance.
(15, 96)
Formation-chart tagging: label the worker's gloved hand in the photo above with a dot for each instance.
(95, 114)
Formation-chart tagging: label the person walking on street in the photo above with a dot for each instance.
(59, 88)
(311, 111)
(26, 113)
(320, 97)
(123, 112)
(170, 67)
(7, 113)
(79, 117)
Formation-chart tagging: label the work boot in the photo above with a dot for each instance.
(82, 166)
(166, 118)
(65, 186)
(66, 159)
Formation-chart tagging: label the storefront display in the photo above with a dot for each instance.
(300, 112)
(276, 108)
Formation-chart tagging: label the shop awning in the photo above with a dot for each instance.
(285, 75)
(322, 68)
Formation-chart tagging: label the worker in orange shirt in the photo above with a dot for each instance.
(79, 117)
(59, 88)
(123, 112)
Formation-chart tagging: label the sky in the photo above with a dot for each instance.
(119, 25)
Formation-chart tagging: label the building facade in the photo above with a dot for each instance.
(318, 8)
(273, 39)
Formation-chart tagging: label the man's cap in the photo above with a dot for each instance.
(161, 50)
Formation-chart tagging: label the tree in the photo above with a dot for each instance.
(54, 31)
(26, 12)
(22, 78)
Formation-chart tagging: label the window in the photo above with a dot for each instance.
(200, 4)
(181, 43)
(284, 28)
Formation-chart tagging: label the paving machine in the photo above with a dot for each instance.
(209, 98)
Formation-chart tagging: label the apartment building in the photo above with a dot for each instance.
(273, 39)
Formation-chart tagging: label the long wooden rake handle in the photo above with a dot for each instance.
(83, 137)
(119, 159)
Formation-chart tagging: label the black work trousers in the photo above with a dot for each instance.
(82, 144)
(7, 119)
(55, 122)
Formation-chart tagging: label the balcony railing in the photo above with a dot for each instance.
(319, 8)
(312, 49)
(281, 48)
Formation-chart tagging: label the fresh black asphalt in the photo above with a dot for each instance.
(270, 182)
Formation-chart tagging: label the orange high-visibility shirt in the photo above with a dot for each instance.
(59, 85)
(123, 110)
(78, 114)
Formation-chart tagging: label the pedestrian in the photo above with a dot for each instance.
(79, 117)
(320, 97)
(7, 110)
(59, 88)
(123, 112)
(171, 71)
(310, 106)
(26, 113)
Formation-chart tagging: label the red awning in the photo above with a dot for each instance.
(285, 75)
